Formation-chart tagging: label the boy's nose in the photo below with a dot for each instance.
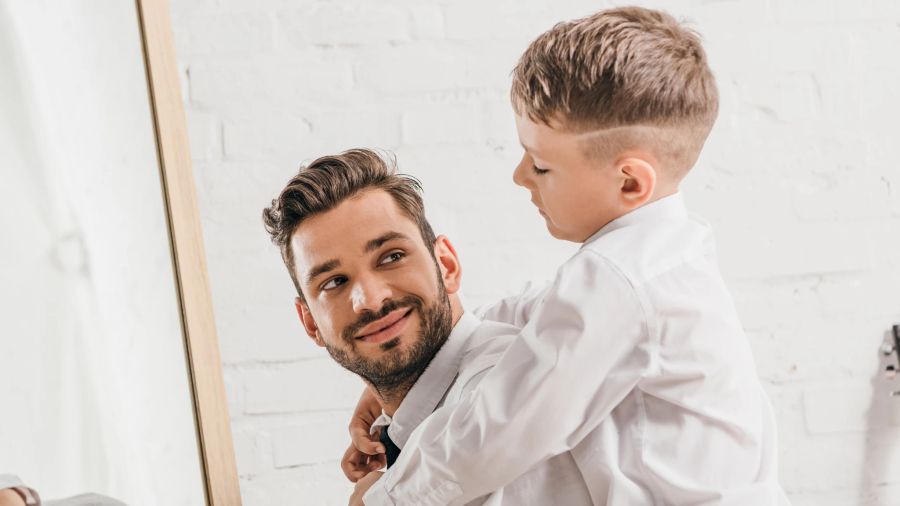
(519, 175)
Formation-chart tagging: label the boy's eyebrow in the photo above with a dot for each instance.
(322, 268)
(525, 147)
(380, 240)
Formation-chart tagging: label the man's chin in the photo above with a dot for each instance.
(390, 344)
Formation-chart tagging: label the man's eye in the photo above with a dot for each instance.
(333, 283)
(539, 171)
(392, 257)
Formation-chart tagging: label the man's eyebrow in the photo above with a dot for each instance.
(376, 243)
(322, 268)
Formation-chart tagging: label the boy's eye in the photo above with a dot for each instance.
(539, 171)
(394, 256)
(333, 283)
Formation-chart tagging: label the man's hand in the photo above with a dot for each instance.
(362, 486)
(9, 497)
(366, 453)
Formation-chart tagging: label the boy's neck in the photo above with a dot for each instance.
(658, 194)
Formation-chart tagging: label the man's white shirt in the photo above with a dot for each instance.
(470, 351)
(634, 361)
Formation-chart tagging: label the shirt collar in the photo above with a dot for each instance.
(431, 387)
(669, 207)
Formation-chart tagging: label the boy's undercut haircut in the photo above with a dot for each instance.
(330, 180)
(620, 68)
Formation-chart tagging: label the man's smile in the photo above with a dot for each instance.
(386, 328)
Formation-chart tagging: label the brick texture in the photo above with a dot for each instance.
(800, 180)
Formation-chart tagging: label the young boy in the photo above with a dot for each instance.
(633, 359)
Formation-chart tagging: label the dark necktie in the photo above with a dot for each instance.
(392, 451)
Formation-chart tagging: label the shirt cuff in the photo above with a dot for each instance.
(441, 495)
(377, 495)
(29, 495)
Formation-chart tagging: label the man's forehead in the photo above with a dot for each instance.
(349, 229)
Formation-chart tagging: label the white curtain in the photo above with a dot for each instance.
(94, 394)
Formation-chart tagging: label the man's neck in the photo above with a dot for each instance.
(391, 397)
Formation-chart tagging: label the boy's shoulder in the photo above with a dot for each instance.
(484, 347)
(486, 344)
(645, 249)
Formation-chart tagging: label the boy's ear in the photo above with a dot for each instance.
(638, 180)
(308, 322)
(448, 263)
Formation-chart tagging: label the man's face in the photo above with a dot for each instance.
(374, 294)
(575, 194)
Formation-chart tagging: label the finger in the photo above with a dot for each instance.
(363, 442)
(376, 462)
(355, 476)
(355, 464)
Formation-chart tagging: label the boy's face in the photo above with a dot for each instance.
(575, 194)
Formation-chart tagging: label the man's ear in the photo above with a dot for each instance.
(448, 263)
(638, 176)
(308, 322)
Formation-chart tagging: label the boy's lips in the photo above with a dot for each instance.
(385, 328)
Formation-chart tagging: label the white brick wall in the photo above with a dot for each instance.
(800, 180)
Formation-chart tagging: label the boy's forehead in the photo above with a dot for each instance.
(543, 140)
(532, 134)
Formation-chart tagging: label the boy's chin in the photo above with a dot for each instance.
(564, 235)
(557, 233)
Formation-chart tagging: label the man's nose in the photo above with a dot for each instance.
(369, 294)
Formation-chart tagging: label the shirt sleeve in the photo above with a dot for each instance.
(29, 495)
(516, 309)
(583, 351)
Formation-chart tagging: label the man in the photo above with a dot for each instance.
(379, 291)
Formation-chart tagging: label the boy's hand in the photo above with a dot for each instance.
(366, 453)
(362, 486)
(357, 464)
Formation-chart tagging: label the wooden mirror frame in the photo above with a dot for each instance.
(201, 344)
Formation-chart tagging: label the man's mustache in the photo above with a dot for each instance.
(368, 317)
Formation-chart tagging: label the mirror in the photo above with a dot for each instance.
(99, 395)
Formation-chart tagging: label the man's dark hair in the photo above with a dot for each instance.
(330, 180)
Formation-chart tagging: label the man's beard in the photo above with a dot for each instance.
(396, 371)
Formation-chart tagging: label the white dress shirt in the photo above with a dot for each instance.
(28, 494)
(634, 360)
(32, 498)
(470, 351)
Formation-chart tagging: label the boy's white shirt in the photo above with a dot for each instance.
(471, 350)
(635, 361)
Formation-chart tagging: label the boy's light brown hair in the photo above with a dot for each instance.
(619, 68)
